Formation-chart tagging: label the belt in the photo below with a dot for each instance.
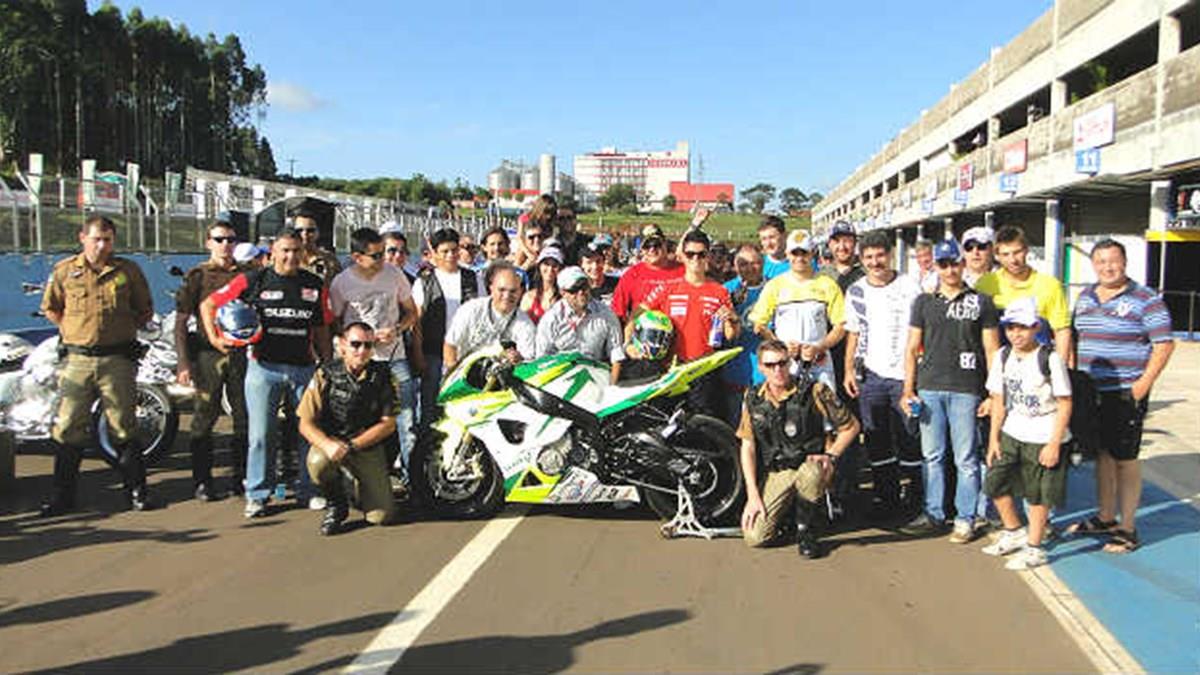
(785, 464)
(125, 349)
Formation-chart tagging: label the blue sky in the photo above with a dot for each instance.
(790, 93)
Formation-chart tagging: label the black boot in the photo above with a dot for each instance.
(201, 450)
(806, 536)
(133, 471)
(337, 509)
(66, 477)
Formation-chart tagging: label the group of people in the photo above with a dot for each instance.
(348, 362)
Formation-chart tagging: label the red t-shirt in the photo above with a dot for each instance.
(637, 283)
(691, 309)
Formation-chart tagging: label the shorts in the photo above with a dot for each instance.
(1018, 474)
(1119, 424)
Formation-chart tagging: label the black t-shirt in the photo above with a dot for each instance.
(605, 292)
(953, 341)
(288, 307)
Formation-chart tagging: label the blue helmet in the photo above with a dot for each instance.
(238, 323)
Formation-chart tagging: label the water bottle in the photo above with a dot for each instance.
(915, 407)
(280, 491)
(716, 333)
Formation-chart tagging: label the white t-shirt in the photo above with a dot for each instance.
(375, 301)
(478, 325)
(451, 283)
(879, 315)
(1030, 402)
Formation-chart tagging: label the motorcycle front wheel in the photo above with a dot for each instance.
(157, 423)
(714, 476)
(449, 497)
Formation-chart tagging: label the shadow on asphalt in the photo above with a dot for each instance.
(1156, 405)
(69, 608)
(240, 649)
(532, 655)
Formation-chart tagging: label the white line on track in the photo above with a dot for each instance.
(397, 637)
(1100, 646)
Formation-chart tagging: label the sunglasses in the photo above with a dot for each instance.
(392, 250)
(972, 245)
(947, 264)
(378, 255)
(650, 245)
(772, 365)
(578, 289)
(799, 253)
(224, 240)
(361, 344)
(692, 255)
(535, 237)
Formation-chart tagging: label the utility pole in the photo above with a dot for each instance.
(292, 170)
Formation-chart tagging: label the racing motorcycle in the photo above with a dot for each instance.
(29, 392)
(556, 431)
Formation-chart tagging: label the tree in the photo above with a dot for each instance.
(815, 198)
(759, 196)
(792, 199)
(723, 198)
(617, 197)
(669, 202)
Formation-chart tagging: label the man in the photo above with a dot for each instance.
(1016, 279)
(877, 319)
(571, 242)
(956, 331)
(347, 413)
(744, 290)
(395, 250)
(802, 310)
(925, 274)
(98, 301)
(579, 323)
(655, 269)
(772, 236)
(495, 245)
(491, 319)
(438, 294)
(317, 260)
(786, 457)
(977, 245)
(211, 372)
(1124, 344)
(694, 304)
(251, 255)
(602, 285)
(380, 296)
(845, 268)
(293, 307)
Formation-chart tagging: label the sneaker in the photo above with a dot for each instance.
(922, 526)
(981, 526)
(317, 503)
(1029, 558)
(1009, 541)
(255, 508)
(963, 533)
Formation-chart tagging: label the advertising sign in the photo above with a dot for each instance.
(966, 177)
(1096, 128)
(1015, 156)
(927, 206)
(960, 197)
(1087, 161)
(931, 190)
(1008, 183)
(87, 171)
(36, 163)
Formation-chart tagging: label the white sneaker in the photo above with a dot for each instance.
(317, 503)
(255, 508)
(1029, 558)
(963, 532)
(1009, 541)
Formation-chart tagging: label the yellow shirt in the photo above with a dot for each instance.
(799, 310)
(1051, 301)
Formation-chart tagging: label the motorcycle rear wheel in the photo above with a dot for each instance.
(157, 426)
(467, 499)
(718, 493)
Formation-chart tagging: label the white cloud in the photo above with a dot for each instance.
(294, 97)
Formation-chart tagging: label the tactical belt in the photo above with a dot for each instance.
(124, 349)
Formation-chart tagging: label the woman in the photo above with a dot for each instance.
(544, 284)
(533, 229)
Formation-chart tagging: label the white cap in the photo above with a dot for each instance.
(1022, 311)
(552, 253)
(569, 277)
(981, 234)
(799, 239)
(390, 227)
(245, 252)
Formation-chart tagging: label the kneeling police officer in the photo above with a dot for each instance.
(347, 412)
(784, 440)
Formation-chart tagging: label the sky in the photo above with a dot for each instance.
(795, 94)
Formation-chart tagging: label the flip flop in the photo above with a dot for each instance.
(1090, 526)
(1122, 542)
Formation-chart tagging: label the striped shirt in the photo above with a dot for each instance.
(1115, 337)
(597, 334)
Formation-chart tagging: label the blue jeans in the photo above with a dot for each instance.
(955, 412)
(406, 395)
(431, 382)
(268, 385)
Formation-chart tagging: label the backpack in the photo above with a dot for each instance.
(1085, 403)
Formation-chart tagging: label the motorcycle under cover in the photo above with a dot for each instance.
(784, 436)
(351, 406)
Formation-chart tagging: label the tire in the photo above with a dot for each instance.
(157, 426)
(718, 494)
(480, 498)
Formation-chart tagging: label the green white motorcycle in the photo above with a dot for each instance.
(556, 431)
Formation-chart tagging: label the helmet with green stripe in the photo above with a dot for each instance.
(652, 334)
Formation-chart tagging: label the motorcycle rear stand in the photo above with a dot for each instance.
(685, 523)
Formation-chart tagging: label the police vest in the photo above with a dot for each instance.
(349, 405)
(433, 313)
(786, 435)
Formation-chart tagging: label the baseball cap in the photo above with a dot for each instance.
(652, 231)
(601, 240)
(1022, 311)
(981, 234)
(551, 253)
(245, 252)
(571, 278)
(389, 227)
(799, 239)
(840, 228)
(947, 249)
(592, 250)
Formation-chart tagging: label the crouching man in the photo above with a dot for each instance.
(784, 441)
(347, 412)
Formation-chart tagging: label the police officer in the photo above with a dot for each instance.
(347, 412)
(787, 460)
(318, 260)
(98, 301)
(209, 370)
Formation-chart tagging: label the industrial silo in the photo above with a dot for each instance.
(503, 177)
(546, 172)
(529, 179)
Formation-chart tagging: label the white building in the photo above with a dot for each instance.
(650, 173)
